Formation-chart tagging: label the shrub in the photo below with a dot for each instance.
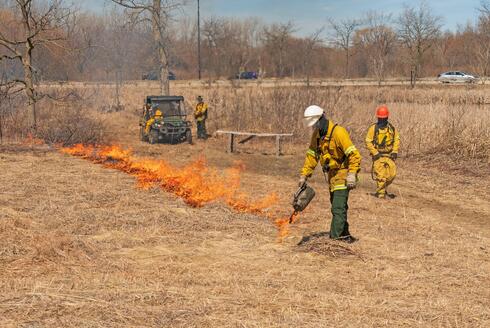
(70, 123)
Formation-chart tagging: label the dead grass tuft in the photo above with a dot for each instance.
(320, 243)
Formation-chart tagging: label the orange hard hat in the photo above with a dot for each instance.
(382, 112)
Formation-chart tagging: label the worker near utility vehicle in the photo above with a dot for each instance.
(157, 116)
(340, 160)
(201, 115)
(147, 112)
(383, 141)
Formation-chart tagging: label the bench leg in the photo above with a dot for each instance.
(278, 146)
(231, 143)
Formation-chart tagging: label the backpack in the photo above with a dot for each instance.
(343, 159)
(382, 144)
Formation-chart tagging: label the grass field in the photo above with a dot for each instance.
(82, 246)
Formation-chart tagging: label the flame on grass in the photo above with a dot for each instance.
(282, 225)
(196, 183)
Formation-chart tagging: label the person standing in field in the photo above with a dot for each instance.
(332, 147)
(201, 115)
(383, 142)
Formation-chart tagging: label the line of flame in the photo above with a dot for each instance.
(196, 183)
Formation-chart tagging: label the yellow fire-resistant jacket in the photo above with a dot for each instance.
(386, 142)
(200, 113)
(334, 151)
(156, 117)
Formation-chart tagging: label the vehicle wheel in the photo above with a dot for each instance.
(143, 136)
(188, 137)
(153, 137)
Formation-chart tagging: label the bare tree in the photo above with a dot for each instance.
(310, 44)
(4, 97)
(116, 51)
(447, 50)
(214, 44)
(159, 12)
(37, 25)
(249, 36)
(229, 45)
(481, 42)
(276, 38)
(378, 40)
(343, 31)
(87, 34)
(418, 29)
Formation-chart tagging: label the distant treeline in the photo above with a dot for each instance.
(113, 45)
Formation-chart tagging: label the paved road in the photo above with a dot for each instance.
(263, 83)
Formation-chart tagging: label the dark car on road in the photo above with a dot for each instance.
(154, 76)
(247, 76)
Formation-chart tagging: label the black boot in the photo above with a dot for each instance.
(348, 239)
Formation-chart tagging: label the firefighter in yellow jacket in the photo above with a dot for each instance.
(157, 116)
(383, 142)
(332, 147)
(201, 115)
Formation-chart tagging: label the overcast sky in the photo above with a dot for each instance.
(309, 15)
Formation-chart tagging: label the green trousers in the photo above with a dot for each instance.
(201, 130)
(339, 227)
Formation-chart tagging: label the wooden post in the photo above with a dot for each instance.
(231, 141)
(278, 145)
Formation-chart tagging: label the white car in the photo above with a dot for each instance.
(456, 77)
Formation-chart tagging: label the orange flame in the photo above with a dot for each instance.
(196, 183)
(282, 225)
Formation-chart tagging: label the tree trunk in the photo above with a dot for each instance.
(118, 89)
(27, 63)
(164, 82)
(306, 69)
(1, 127)
(347, 63)
(158, 36)
(29, 84)
(413, 77)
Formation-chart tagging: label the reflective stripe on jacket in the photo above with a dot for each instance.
(338, 154)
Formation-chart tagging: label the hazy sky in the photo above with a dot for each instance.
(309, 15)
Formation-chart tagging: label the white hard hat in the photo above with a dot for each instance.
(312, 114)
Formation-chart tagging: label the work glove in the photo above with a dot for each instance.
(376, 157)
(394, 156)
(302, 181)
(351, 180)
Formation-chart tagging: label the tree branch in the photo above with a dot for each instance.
(131, 4)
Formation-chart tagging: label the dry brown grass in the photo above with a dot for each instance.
(65, 117)
(69, 123)
(80, 246)
(449, 120)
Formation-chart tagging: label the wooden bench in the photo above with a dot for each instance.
(250, 135)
